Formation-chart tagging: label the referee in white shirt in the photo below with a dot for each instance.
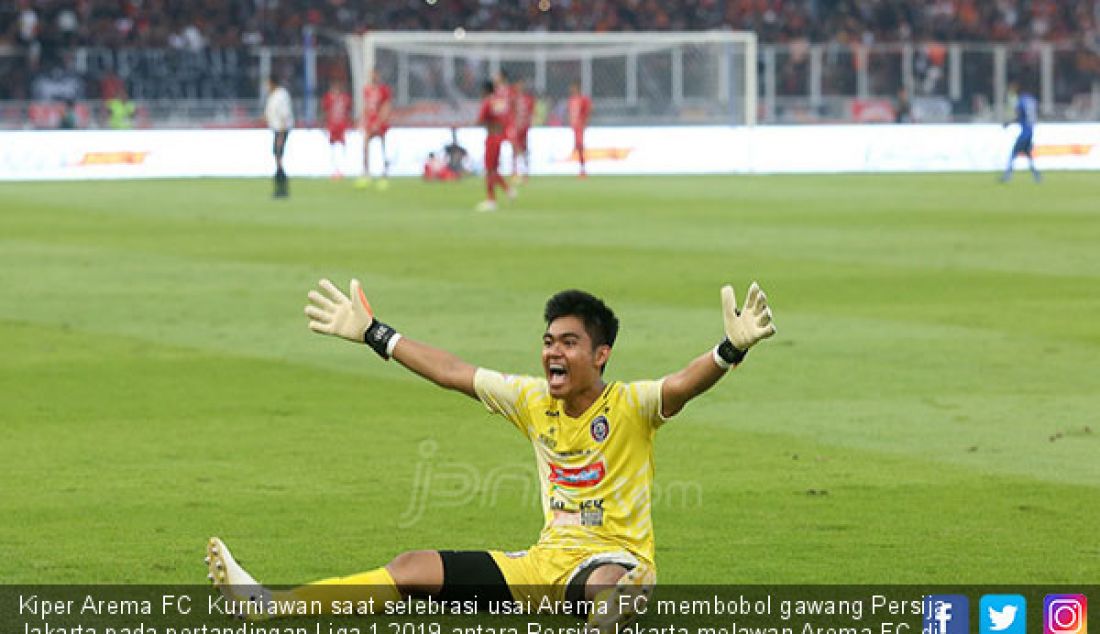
(280, 118)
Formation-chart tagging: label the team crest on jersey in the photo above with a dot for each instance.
(600, 428)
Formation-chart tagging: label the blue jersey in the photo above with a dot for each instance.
(1027, 112)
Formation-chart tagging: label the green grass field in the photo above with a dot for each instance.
(929, 411)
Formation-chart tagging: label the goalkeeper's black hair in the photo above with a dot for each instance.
(599, 322)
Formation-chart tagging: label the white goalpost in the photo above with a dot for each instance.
(647, 78)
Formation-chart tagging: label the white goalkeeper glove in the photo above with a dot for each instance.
(744, 327)
(332, 313)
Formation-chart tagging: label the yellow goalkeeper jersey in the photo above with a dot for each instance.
(596, 470)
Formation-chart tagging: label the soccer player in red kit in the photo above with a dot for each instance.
(376, 122)
(494, 114)
(502, 88)
(524, 114)
(580, 109)
(336, 106)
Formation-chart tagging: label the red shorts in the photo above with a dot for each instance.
(520, 142)
(492, 151)
(578, 137)
(376, 128)
(336, 134)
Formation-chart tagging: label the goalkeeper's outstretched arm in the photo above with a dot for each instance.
(331, 312)
(438, 366)
(744, 328)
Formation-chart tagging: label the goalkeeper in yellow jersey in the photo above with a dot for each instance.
(593, 442)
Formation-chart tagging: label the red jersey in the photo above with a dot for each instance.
(375, 97)
(580, 107)
(508, 96)
(337, 109)
(525, 110)
(495, 112)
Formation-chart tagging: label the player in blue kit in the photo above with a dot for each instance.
(1027, 113)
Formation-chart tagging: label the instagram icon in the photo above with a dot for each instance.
(1065, 614)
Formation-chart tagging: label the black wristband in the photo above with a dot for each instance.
(729, 353)
(378, 337)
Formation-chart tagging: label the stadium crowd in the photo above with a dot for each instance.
(38, 36)
(185, 24)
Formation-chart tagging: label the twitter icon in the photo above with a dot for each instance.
(1003, 614)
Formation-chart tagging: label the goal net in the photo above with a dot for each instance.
(650, 78)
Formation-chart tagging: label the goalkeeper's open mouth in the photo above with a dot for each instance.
(557, 375)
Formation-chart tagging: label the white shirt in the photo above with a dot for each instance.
(278, 111)
(28, 24)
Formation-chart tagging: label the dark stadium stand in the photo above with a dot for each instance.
(198, 50)
(227, 23)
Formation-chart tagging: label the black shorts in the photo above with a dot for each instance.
(279, 145)
(472, 575)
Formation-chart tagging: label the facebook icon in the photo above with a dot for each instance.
(946, 614)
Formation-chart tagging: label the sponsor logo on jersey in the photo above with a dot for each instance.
(599, 428)
(548, 441)
(578, 477)
(571, 453)
(592, 512)
(587, 513)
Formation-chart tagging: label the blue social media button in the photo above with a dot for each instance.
(1003, 614)
(946, 614)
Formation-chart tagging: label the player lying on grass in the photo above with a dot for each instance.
(594, 446)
